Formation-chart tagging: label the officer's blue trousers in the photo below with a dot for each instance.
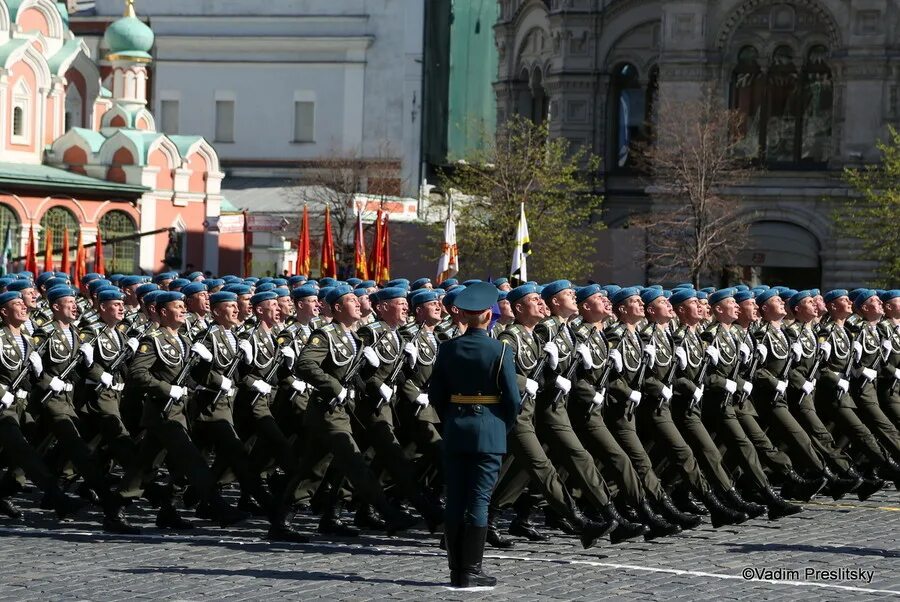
(470, 480)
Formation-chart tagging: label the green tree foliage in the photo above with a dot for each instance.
(520, 164)
(873, 216)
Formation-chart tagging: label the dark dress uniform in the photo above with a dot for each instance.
(889, 377)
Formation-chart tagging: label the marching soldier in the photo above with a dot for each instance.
(889, 379)
(196, 299)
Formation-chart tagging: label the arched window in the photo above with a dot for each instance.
(748, 94)
(18, 121)
(57, 219)
(631, 111)
(816, 103)
(120, 257)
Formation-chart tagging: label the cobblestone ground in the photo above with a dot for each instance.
(45, 560)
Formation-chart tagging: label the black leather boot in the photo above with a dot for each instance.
(114, 520)
(168, 518)
(589, 531)
(10, 510)
(395, 520)
(223, 513)
(778, 506)
(685, 502)
(471, 555)
(684, 520)
(63, 504)
(839, 486)
(280, 528)
(871, 485)
(734, 499)
(804, 488)
(890, 470)
(494, 537)
(657, 526)
(367, 518)
(720, 514)
(521, 525)
(331, 524)
(453, 541)
(624, 529)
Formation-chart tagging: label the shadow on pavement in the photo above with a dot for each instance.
(299, 575)
(785, 547)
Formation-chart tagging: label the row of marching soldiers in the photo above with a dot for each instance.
(643, 409)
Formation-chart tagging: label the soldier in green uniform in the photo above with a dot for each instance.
(477, 412)
(196, 299)
(889, 378)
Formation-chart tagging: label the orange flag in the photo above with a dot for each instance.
(64, 262)
(248, 240)
(375, 256)
(327, 267)
(98, 256)
(80, 261)
(31, 254)
(359, 250)
(385, 274)
(303, 258)
(48, 250)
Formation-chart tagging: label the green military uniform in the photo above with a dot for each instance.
(889, 377)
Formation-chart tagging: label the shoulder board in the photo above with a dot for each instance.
(550, 325)
(614, 331)
(154, 333)
(328, 328)
(583, 329)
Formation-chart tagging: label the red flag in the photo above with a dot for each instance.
(64, 263)
(48, 250)
(359, 250)
(385, 274)
(31, 254)
(303, 257)
(80, 261)
(327, 266)
(375, 256)
(98, 256)
(248, 240)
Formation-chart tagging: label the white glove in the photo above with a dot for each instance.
(869, 374)
(763, 352)
(531, 387)
(413, 352)
(650, 352)
(563, 384)
(713, 354)
(201, 350)
(797, 350)
(7, 400)
(341, 397)
(667, 393)
(288, 353)
(177, 392)
(616, 358)
(635, 398)
(226, 384)
(730, 386)
(781, 386)
(825, 348)
(371, 357)
(422, 400)
(247, 349)
(586, 360)
(37, 364)
(745, 352)
(299, 386)
(843, 385)
(897, 373)
(552, 352)
(386, 392)
(857, 350)
(133, 343)
(56, 384)
(599, 398)
(698, 393)
(107, 379)
(748, 387)
(262, 387)
(682, 357)
(87, 350)
(886, 348)
(808, 387)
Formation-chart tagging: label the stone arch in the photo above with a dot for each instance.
(5, 21)
(736, 17)
(114, 144)
(635, 46)
(27, 54)
(26, 16)
(143, 120)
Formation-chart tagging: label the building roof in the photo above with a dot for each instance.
(269, 195)
(43, 177)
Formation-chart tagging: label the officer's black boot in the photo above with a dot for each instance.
(168, 518)
(589, 531)
(778, 506)
(494, 537)
(395, 520)
(471, 555)
(734, 499)
(367, 518)
(63, 504)
(10, 510)
(432, 511)
(114, 520)
(331, 524)
(657, 526)
(684, 520)
(890, 470)
(720, 514)
(280, 528)
(624, 529)
(839, 486)
(521, 525)
(800, 488)
(221, 512)
(247, 504)
(871, 484)
(452, 538)
(685, 502)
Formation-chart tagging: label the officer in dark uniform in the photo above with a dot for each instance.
(477, 412)
(889, 379)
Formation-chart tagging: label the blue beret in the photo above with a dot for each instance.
(19, 285)
(323, 292)
(795, 299)
(477, 297)
(282, 292)
(250, 280)
(611, 289)
(667, 293)
(221, 297)
(471, 281)
(307, 290)
(328, 281)
(855, 292)
(89, 277)
(280, 282)
(765, 295)
(367, 284)
(336, 292)
(835, 294)
(684, 285)
(680, 295)
(721, 295)
(622, 294)
(232, 279)
(787, 294)
(264, 280)
(237, 289)
(60, 291)
(391, 292)
(862, 297)
(152, 297)
(360, 292)
(45, 276)
(178, 283)
(516, 294)
(403, 282)
(501, 281)
(194, 275)
(26, 274)
(450, 297)
(702, 295)
(658, 287)
(130, 280)
(423, 296)
(448, 283)
(295, 280)
(7, 297)
(263, 296)
(586, 292)
(815, 292)
(540, 288)
(93, 286)
(758, 289)
(110, 294)
(501, 295)
(212, 283)
(762, 287)
(5, 281)
(194, 288)
(354, 282)
(56, 281)
(113, 278)
(739, 288)
(420, 283)
(557, 286)
(886, 296)
(145, 288)
(742, 296)
(262, 287)
(168, 297)
(164, 276)
(708, 289)
(649, 294)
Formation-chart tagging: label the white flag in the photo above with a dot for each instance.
(519, 270)
(448, 264)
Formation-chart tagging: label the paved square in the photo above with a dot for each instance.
(43, 560)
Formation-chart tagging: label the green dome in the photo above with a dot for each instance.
(129, 37)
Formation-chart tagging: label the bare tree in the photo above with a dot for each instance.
(693, 228)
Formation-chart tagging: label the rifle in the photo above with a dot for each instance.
(183, 373)
(637, 384)
(276, 361)
(570, 373)
(62, 375)
(123, 357)
(229, 373)
(845, 375)
(754, 365)
(700, 378)
(354, 368)
(815, 367)
(600, 385)
(392, 378)
(784, 372)
(15, 384)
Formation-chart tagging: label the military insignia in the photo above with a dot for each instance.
(281, 341)
(315, 341)
(144, 348)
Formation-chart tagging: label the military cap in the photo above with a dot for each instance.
(501, 295)
(765, 295)
(152, 297)
(262, 287)
(708, 289)
(178, 283)
(855, 292)
(650, 294)
(336, 292)
(703, 295)
(477, 297)
(738, 288)
(586, 292)
(164, 276)
(144, 289)
(296, 280)
(552, 288)
(19, 285)
(237, 289)
(786, 294)
(194, 275)
(540, 289)
(314, 281)
(621, 295)
(323, 292)
(611, 289)
(45, 276)
(282, 291)
(212, 283)
(110, 294)
(4, 282)
(328, 281)
(263, 280)
(354, 282)
(471, 281)
(658, 287)
(250, 280)
(222, 297)
(448, 283)
(194, 288)
(721, 295)
(279, 282)
(391, 292)
(780, 289)
(60, 291)
(114, 278)
(230, 279)
(742, 296)
(758, 289)
(367, 284)
(422, 296)
(263, 296)
(518, 293)
(450, 298)
(815, 292)
(835, 294)
(681, 295)
(90, 276)
(360, 292)
(95, 285)
(500, 281)
(9, 296)
(168, 297)
(684, 285)
(763, 287)
(416, 285)
(130, 280)
(862, 297)
(51, 282)
(886, 296)
(402, 282)
(307, 290)
(799, 296)
(532, 282)
(26, 274)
